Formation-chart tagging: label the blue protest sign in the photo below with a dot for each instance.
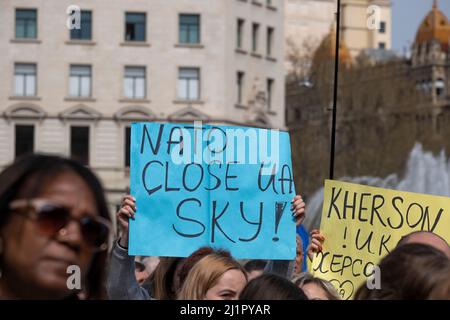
(304, 235)
(203, 185)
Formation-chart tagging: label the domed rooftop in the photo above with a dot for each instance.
(327, 50)
(435, 26)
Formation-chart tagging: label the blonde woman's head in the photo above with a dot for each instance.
(316, 288)
(214, 277)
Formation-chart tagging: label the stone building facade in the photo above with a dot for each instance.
(75, 91)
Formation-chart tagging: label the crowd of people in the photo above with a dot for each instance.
(53, 214)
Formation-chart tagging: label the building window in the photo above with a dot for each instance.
(439, 84)
(270, 83)
(135, 26)
(80, 81)
(189, 84)
(85, 31)
(127, 146)
(26, 23)
(189, 31)
(79, 144)
(25, 79)
(255, 34)
(382, 27)
(270, 33)
(240, 86)
(382, 45)
(134, 83)
(240, 33)
(24, 139)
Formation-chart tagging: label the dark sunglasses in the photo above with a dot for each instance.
(52, 218)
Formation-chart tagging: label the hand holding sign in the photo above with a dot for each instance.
(126, 212)
(298, 206)
(316, 244)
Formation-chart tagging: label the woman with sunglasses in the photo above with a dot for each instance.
(54, 223)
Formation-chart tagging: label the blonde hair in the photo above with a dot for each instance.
(306, 278)
(162, 278)
(205, 274)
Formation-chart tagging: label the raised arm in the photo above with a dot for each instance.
(121, 283)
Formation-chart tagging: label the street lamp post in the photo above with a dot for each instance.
(335, 92)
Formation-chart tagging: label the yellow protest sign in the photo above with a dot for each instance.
(362, 224)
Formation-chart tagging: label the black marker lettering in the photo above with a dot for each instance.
(394, 204)
(172, 141)
(218, 182)
(185, 175)
(333, 203)
(259, 223)
(144, 181)
(167, 188)
(145, 133)
(284, 179)
(227, 177)
(361, 208)
(215, 222)
(271, 180)
(189, 235)
(348, 205)
(376, 207)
